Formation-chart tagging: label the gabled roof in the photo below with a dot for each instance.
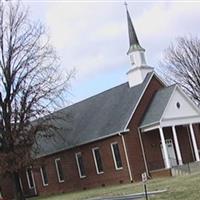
(97, 117)
(157, 106)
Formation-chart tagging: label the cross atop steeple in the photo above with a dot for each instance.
(126, 5)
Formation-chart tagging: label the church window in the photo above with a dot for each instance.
(116, 156)
(97, 160)
(29, 175)
(44, 175)
(178, 105)
(59, 170)
(80, 165)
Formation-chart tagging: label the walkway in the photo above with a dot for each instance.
(130, 196)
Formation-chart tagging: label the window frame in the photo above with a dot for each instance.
(78, 165)
(21, 185)
(57, 170)
(95, 160)
(114, 156)
(28, 180)
(42, 175)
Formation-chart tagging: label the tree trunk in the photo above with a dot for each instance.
(18, 190)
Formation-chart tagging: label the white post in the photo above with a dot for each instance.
(194, 143)
(178, 152)
(167, 162)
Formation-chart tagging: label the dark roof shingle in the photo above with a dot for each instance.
(94, 118)
(157, 106)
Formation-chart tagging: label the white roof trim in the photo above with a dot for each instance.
(168, 103)
(150, 124)
(180, 121)
(171, 122)
(150, 128)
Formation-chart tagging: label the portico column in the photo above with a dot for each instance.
(194, 143)
(167, 162)
(178, 152)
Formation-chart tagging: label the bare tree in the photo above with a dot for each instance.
(181, 64)
(31, 87)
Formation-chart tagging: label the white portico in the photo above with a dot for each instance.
(169, 110)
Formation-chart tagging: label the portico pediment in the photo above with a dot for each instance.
(180, 106)
(170, 107)
(180, 110)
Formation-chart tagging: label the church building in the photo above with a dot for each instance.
(140, 126)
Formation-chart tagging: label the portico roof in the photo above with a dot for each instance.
(157, 106)
(170, 106)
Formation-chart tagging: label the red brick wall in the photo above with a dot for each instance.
(132, 139)
(184, 143)
(197, 134)
(152, 145)
(7, 187)
(151, 141)
(72, 180)
(110, 175)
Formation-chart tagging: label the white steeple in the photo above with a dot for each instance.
(139, 68)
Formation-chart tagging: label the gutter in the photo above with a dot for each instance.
(81, 144)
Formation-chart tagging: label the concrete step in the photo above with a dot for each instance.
(185, 169)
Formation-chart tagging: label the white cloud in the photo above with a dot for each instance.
(83, 30)
(160, 24)
(167, 20)
(84, 33)
(93, 36)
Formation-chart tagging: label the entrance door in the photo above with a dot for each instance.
(170, 151)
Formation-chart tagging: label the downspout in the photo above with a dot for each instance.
(126, 156)
(143, 153)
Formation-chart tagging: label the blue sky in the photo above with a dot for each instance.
(92, 36)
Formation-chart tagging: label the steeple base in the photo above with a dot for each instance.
(137, 75)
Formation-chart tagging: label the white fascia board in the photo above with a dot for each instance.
(150, 124)
(171, 122)
(180, 121)
(150, 127)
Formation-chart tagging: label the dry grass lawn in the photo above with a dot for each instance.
(178, 188)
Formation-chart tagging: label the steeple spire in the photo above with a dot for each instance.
(140, 69)
(133, 40)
